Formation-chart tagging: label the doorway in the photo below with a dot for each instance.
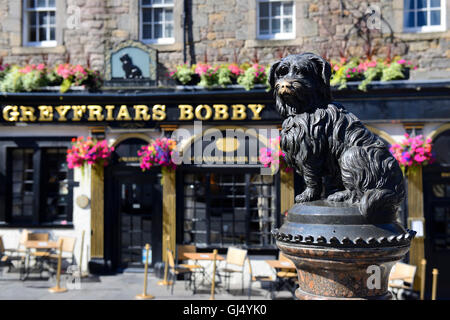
(436, 186)
(133, 209)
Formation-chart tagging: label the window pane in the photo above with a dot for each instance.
(264, 9)
(264, 26)
(42, 18)
(435, 3)
(287, 25)
(168, 1)
(52, 17)
(147, 31)
(30, 3)
(51, 3)
(158, 15)
(409, 19)
(421, 18)
(421, 4)
(147, 15)
(287, 9)
(41, 4)
(52, 34)
(168, 15)
(32, 18)
(276, 9)
(158, 31)
(157, 1)
(408, 4)
(435, 17)
(275, 25)
(169, 30)
(42, 34)
(146, 2)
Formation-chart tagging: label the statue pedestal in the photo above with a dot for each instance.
(338, 253)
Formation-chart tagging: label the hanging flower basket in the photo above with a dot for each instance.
(88, 151)
(413, 152)
(272, 157)
(158, 153)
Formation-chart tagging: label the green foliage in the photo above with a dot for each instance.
(12, 81)
(393, 71)
(183, 74)
(223, 76)
(256, 74)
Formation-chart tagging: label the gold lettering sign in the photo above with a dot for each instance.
(157, 112)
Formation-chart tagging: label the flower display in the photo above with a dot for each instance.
(413, 152)
(32, 77)
(256, 74)
(88, 151)
(272, 156)
(183, 74)
(158, 153)
(357, 69)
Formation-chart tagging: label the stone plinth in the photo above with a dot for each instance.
(338, 253)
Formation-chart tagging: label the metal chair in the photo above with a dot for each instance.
(8, 256)
(175, 270)
(235, 262)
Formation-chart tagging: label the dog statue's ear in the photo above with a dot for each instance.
(325, 68)
(272, 74)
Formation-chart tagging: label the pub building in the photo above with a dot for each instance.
(206, 202)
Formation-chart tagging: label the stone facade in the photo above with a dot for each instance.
(225, 31)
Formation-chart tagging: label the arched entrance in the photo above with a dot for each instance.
(133, 207)
(436, 180)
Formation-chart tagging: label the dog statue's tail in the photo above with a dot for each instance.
(381, 205)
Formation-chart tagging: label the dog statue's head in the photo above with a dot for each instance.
(126, 59)
(301, 82)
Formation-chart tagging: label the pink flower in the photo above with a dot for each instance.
(401, 61)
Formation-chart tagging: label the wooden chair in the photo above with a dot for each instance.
(68, 249)
(235, 262)
(178, 270)
(187, 248)
(401, 278)
(285, 273)
(38, 253)
(263, 279)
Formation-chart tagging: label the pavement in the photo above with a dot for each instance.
(120, 286)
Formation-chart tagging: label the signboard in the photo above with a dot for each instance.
(88, 113)
(144, 256)
(131, 62)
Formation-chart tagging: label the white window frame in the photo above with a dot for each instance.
(441, 27)
(275, 36)
(166, 40)
(26, 26)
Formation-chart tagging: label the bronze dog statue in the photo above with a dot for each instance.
(320, 138)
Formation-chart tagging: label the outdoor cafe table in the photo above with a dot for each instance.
(203, 256)
(284, 279)
(44, 247)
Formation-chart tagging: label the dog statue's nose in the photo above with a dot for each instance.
(284, 87)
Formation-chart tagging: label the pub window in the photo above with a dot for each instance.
(156, 21)
(275, 19)
(39, 19)
(22, 185)
(55, 186)
(230, 208)
(40, 187)
(424, 15)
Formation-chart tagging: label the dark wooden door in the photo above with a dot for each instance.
(135, 206)
(437, 242)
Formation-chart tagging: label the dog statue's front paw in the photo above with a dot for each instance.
(308, 195)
